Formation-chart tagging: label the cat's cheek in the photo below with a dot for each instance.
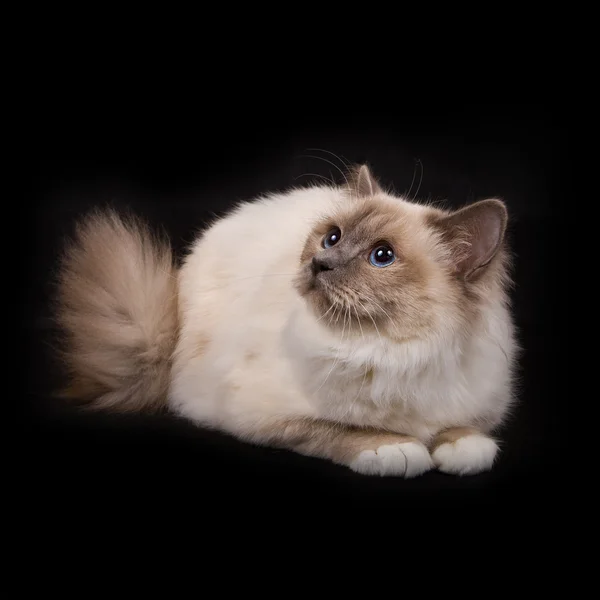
(466, 456)
(407, 460)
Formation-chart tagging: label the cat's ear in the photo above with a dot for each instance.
(475, 234)
(363, 183)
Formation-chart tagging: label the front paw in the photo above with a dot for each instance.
(466, 456)
(406, 459)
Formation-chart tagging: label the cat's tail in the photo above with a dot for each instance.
(116, 308)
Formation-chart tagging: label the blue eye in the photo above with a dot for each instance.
(382, 256)
(332, 238)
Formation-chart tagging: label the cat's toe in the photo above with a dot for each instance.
(466, 456)
(366, 463)
(408, 459)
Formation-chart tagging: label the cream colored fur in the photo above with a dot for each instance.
(117, 311)
(253, 358)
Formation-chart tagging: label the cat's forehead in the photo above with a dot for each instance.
(380, 218)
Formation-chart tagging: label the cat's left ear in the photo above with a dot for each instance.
(363, 183)
(474, 234)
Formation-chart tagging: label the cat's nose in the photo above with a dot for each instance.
(321, 264)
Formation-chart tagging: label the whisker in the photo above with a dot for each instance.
(333, 315)
(413, 181)
(369, 299)
(420, 180)
(328, 162)
(330, 181)
(338, 317)
(359, 324)
(323, 315)
(262, 275)
(373, 320)
(339, 352)
(346, 163)
(364, 379)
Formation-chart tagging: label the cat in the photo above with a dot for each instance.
(338, 321)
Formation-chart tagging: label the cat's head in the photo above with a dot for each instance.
(406, 270)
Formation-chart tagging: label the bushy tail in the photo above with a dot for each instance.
(117, 311)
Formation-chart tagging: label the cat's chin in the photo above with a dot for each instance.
(314, 293)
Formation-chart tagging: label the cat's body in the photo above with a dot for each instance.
(324, 350)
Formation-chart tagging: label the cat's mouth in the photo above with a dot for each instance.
(308, 282)
(316, 290)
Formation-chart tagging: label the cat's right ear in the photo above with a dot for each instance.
(362, 182)
(474, 235)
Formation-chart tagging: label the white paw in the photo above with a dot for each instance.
(466, 456)
(407, 459)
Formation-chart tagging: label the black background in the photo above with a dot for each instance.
(178, 160)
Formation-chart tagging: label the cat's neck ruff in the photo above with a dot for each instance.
(369, 347)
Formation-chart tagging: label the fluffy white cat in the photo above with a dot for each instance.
(338, 322)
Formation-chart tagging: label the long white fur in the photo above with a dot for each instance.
(250, 350)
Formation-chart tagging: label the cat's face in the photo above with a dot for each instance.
(385, 264)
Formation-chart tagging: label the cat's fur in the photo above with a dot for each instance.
(390, 371)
